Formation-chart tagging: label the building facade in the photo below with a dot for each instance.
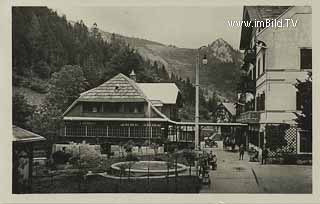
(275, 57)
(225, 112)
(121, 109)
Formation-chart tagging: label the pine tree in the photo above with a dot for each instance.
(21, 111)
(304, 118)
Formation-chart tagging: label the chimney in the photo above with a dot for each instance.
(133, 76)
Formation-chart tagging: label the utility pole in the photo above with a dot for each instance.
(197, 104)
(204, 62)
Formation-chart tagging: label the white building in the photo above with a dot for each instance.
(274, 58)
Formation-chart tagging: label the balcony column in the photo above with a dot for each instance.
(128, 131)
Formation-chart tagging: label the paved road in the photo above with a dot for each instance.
(240, 176)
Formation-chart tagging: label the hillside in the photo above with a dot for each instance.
(44, 42)
(220, 75)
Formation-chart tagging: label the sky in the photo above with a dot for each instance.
(188, 27)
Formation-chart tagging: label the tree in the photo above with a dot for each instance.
(65, 86)
(21, 111)
(275, 136)
(304, 92)
(33, 36)
(304, 116)
(128, 146)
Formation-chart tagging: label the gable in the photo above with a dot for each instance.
(118, 89)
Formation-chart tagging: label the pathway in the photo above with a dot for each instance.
(241, 176)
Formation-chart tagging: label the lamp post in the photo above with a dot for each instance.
(204, 62)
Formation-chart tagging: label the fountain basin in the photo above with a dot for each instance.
(156, 168)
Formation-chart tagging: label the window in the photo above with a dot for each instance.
(250, 74)
(123, 107)
(263, 98)
(258, 67)
(130, 108)
(254, 72)
(92, 107)
(306, 58)
(258, 102)
(263, 62)
(111, 107)
(261, 102)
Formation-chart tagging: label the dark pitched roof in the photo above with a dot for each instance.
(265, 12)
(231, 108)
(257, 13)
(22, 135)
(118, 89)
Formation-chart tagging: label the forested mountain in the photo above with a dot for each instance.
(220, 75)
(61, 59)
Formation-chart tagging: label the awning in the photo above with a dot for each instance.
(115, 119)
(22, 135)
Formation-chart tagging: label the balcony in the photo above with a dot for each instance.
(249, 117)
(246, 84)
(250, 56)
(250, 86)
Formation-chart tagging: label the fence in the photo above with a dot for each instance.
(281, 138)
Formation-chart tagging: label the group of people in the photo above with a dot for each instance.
(254, 154)
(207, 161)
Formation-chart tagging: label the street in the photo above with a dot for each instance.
(241, 176)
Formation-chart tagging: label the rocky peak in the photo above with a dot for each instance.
(221, 50)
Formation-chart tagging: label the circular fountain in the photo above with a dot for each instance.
(156, 168)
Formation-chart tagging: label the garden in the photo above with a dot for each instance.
(87, 170)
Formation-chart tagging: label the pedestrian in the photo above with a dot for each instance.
(241, 152)
(264, 155)
(210, 160)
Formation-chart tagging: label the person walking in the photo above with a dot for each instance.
(264, 155)
(241, 152)
(212, 161)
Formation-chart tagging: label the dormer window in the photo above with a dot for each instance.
(92, 107)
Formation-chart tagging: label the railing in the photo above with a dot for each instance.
(249, 117)
(112, 131)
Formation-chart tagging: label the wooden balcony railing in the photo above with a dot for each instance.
(249, 117)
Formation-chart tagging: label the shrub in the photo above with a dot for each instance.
(74, 160)
(60, 157)
(131, 157)
(158, 158)
(289, 158)
(38, 85)
(275, 136)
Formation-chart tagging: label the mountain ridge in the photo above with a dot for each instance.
(181, 62)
